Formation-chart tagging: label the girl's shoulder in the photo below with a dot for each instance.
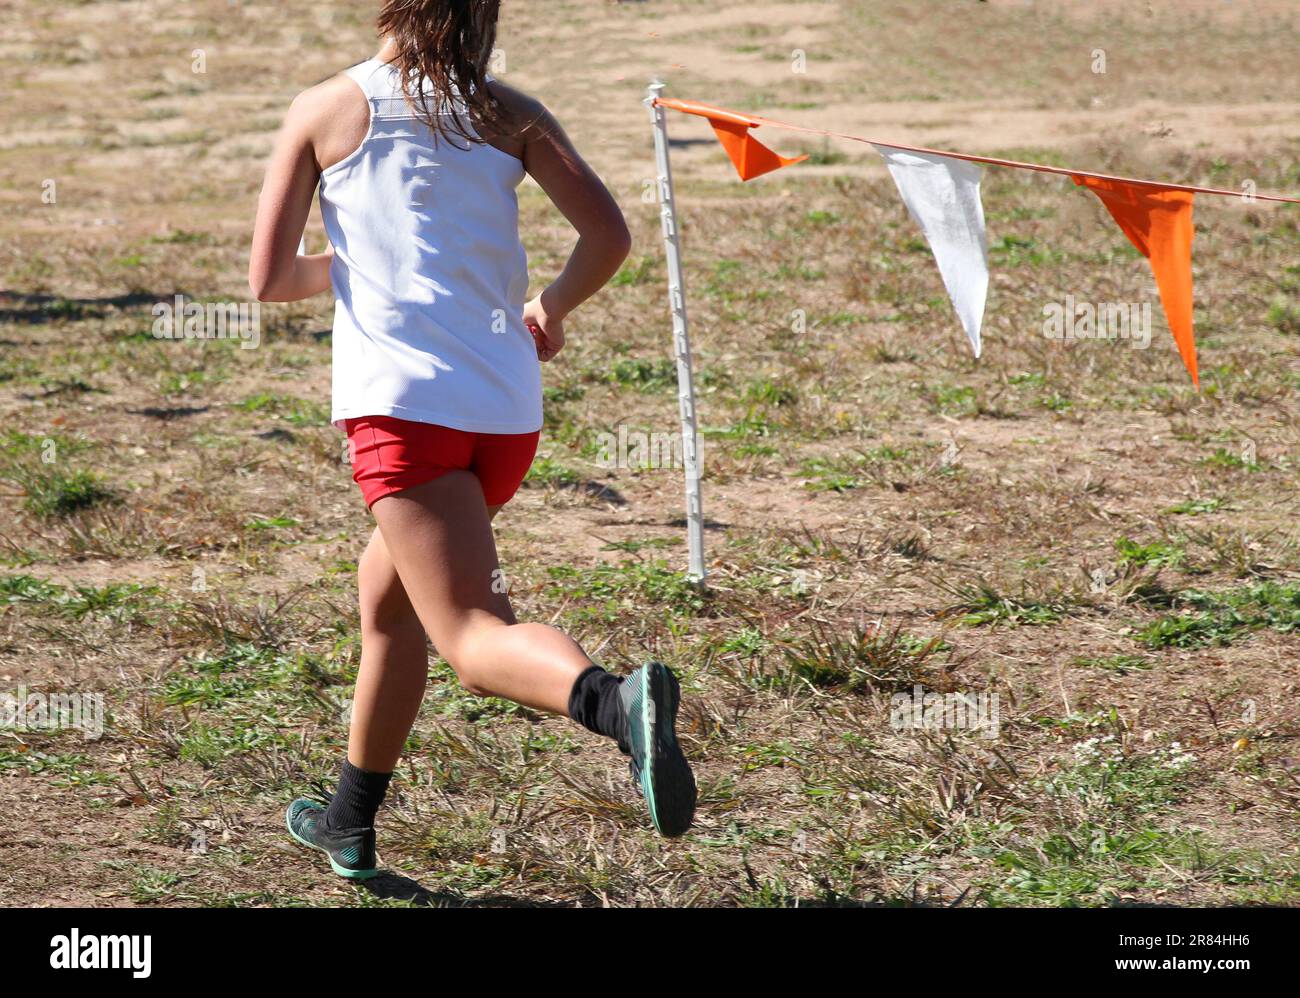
(333, 116)
(530, 121)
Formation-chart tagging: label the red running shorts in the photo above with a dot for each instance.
(390, 455)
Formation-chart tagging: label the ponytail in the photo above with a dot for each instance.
(443, 50)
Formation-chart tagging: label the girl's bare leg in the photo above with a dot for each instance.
(394, 664)
(439, 539)
(431, 569)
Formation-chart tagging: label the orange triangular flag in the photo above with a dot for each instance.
(750, 157)
(1158, 221)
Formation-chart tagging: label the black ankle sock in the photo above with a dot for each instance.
(357, 798)
(594, 703)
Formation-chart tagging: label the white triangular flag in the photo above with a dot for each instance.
(943, 196)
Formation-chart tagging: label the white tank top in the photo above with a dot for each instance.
(429, 275)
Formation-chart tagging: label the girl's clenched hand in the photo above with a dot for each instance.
(547, 330)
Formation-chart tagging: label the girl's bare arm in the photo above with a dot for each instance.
(319, 120)
(603, 238)
(574, 187)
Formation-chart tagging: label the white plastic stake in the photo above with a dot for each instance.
(681, 339)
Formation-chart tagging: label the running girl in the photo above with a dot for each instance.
(417, 154)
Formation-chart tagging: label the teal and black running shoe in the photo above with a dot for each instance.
(650, 697)
(351, 852)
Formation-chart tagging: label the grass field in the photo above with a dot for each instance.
(1069, 526)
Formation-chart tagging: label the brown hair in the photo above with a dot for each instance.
(443, 49)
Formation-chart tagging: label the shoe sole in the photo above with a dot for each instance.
(667, 779)
(342, 871)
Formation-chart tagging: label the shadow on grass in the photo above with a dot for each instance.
(394, 887)
(598, 490)
(31, 309)
(680, 521)
(169, 412)
(588, 487)
(688, 143)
